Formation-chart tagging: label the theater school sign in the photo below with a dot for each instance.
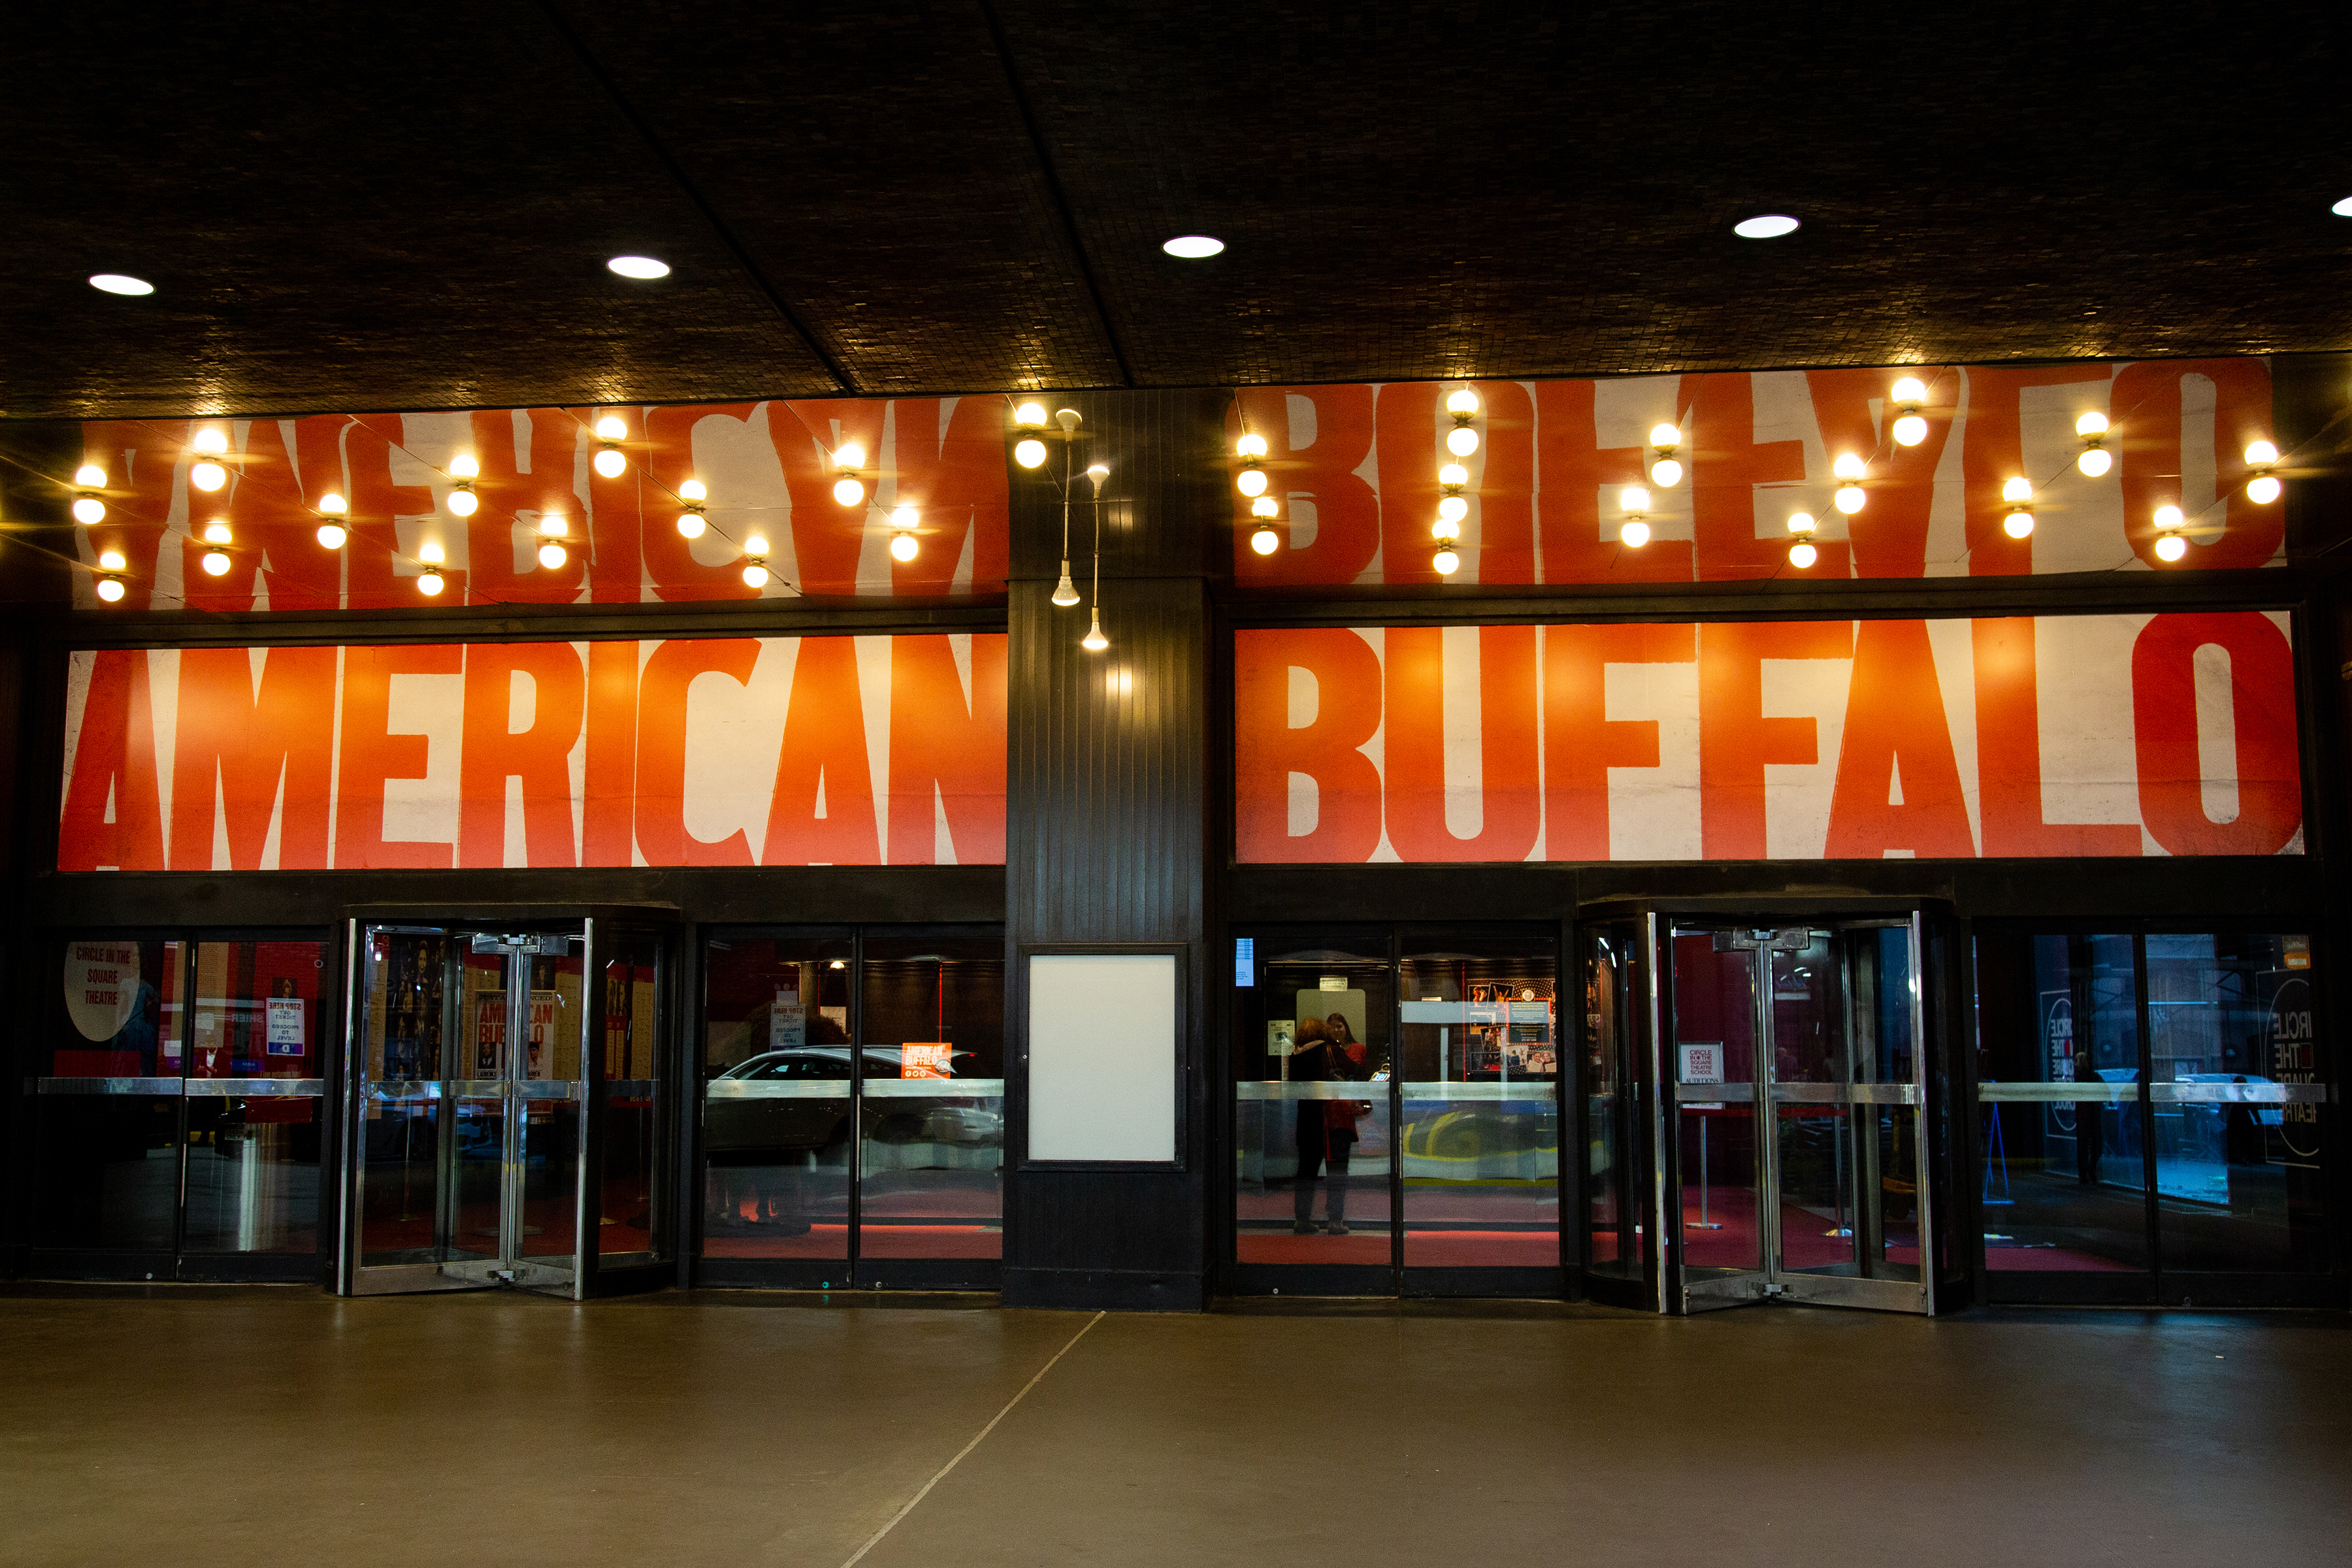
(717, 751)
(2091, 735)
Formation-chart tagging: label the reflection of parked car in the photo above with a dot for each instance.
(770, 1129)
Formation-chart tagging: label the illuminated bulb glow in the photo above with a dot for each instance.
(2169, 517)
(755, 575)
(431, 553)
(2262, 488)
(1463, 403)
(1910, 430)
(2018, 488)
(2094, 461)
(1446, 562)
(904, 517)
(1633, 497)
(755, 545)
(217, 533)
(848, 492)
(1094, 641)
(119, 283)
(1265, 541)
(1802, 555)
(552, 555)
(2261, 455)
(611, 463)
(554, 525)
(463, 467)
(1665, 437)
(1848, 499)
(212, 442)
(1442, 529)
(462, 502)
(1030, 416)
(331, 535)
(208, 476)
(1266, 506)
(612, 427)
(2091, 424)
(1848, 467)
(1462, 440)
(333, 504)
(1029, 453)
(851, 455)
(1098, 472)
(216, 562)
(690, 524)
(90, 477)
(1454, 475)
(1066, 593)
(111, 561)
(1634, 534)
(2171, 547)
(2017, 525)
(1768, 225)
(693, 489)
(1452, 508)
(431, 583)
(645, 269)
(1908, 392)
(111, 589)
(1801, 522)
(88, 509)
(1665, 473)
(1250, 481)
(1193, 247)
(903, 547)
(1251, 446)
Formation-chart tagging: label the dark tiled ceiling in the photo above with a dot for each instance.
(374, 207)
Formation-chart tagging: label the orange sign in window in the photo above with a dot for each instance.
(925, 1059)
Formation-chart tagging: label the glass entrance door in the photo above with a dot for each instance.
(505, 1117)
(1796, 1057)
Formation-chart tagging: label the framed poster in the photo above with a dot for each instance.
(1103, 1055)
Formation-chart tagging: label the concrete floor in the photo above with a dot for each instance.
(259, 1426)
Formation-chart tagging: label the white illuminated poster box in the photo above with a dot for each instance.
(1105, 1063)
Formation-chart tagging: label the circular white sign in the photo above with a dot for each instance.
(102, 986)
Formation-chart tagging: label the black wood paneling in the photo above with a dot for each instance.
(1108, 818)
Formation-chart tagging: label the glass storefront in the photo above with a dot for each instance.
(852, 1107)
(2149, 1111)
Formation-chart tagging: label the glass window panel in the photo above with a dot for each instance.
(931, 1166)
(252, 1180)
(106, 1166)
(2238, 1182)
(556, 1018)
(1301, 1147)
(1613, 1175)
(406, 1014)
(1713, 1041)
(775, 1057)
(631, 1218)
(2063, 1180)
(1479, 1135)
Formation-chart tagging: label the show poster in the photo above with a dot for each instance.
(845, 751)
(2056, 736)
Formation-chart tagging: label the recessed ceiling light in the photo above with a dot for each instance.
(638, 266)
(120, 283)
(2341, 209)
(1193, 247)
(1766, 226)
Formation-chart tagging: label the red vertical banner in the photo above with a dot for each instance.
(242, 749)
(113, 815)
(1504, 727)
(947, 751)
(1581, 742)
(2008, 755)
(1898, 780)
(2168, 717)
(538, 754)
(607, 826)
(371, 755)
(1342, 681)
(822, 811)
(1736, 739)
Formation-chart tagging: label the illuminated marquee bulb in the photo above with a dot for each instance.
(1029, 453)
(110, 590)
(1801, 522)
(211, 441)
(1849, 468)
(2092, 423)
(1801, 555)
(207, 474)
(1454, 476)
(1030, 416)
(2169, 517)
(851, 457)
(612, 463)
(1462, 440)
(1452, 508)
(1634, 534)
(612, 427)
(1265, 541)
(1634, 498)
(552, 555)
(333, 534)
(1442, 529)
(216, 562)
(217, 532)
(693, 489)
(1910, 429)
(463, 467)
(2263, 488)
(1446, 561)
(2095, 459)
(903, 545)
(1908, 395)
(431, 583)
(462, 502)
(431, 553)
(88, 509)
(111, 561)
(690, 523)
(1849, 498)
(90, 477)
(847, 491)
(1250, 481)
(1667, 471)
(2170, 545)
(1251, 446)
(1463, 405)
(2018, 524)
(2261, 455)
(755, 574)
(2017, 491)
(1266, 506)
(554, 525)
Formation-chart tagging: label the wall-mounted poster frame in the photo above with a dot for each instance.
(1088, 1085)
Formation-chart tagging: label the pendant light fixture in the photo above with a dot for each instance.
(611, 461)
(1094, 641)
(89, 479)
(210, 444)
(903, 542)
(331, 517)
(2095, 459)
(691, 494)
(1066, 593)
(1909, 396)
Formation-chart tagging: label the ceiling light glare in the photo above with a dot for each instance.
(1251, 446)
(2261, 455)
(1266, 506)
(690, 524)
(1265, 541)
(217, 533)
(90, 477)
(212, 441)
(1634, 534)
(755, 575)
(1454, 475)
(1908, 392)
(755, 545)
(904, 517)
(1910, 430)
(1453, 509)
(552, 555)
(1463, 403)
(848, 491)
(216, 562)
(692, 489)
(852, 456)
(903, 547)
(2092, 423)
(1462, 440)
(1765, 225)
(1848, 467)
(2094, 461)
(643, 267)
(1665, 473)
(2017, 488)
(430, 584)
(1029, 453)
(1250, 481)
(1801, 522)
(110, 590)
(1849, 498)
(88, 509)
(431, 553)
(1443, 529)
(1193, 247)
(120, 283)
(612, 427)
(2263, 488)
(2169, 517)
(208, 475)
(111, 561)
(1446, 561)
(554, 525)
(1801, 555)
(1665, 437)
(2171, 547)
(1030, 416)
(462, 502)
(463, 467)
(333, 504)
(331, 535)
(1633, 497)
(2018, 524)
(611, 463)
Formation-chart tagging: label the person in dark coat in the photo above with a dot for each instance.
(1327, 1127)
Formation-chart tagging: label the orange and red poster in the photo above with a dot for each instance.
(2087, 735)
(719, 752)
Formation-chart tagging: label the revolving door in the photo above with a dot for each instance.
(507, 1093)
